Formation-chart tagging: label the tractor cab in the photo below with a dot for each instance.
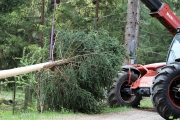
(174, 50)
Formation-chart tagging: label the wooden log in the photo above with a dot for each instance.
(21, 70)
(32, 68)
(36, 67)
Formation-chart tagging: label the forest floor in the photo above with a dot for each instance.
(145, 112)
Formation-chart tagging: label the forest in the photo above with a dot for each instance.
(92, 31)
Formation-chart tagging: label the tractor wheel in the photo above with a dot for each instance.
(117, 96)
(165, 91)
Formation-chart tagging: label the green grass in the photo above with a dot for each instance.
(146, 103)
(32, 114)
(7, 115)
(117, 109)
(9, 95)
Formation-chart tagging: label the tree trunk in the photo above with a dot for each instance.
(28, 96)
(42, 22)
(96, 15)
(41, 45)
(132, 25)
(137, 23)
(36, 67)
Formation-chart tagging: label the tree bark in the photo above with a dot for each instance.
(41, 45)
(132, 25)
(96, 15)
(42, 22)
(32, 68)
(137, 23)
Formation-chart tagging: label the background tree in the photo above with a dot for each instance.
(11, 36)
(96, 2)
(132, 25)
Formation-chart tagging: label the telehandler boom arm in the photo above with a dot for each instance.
(163, 14)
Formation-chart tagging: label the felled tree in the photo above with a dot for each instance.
(78, 84)
(85, 64)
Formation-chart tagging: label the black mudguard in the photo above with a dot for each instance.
(134, 69)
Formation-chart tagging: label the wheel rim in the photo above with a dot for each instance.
(127, 98)
(172, 94)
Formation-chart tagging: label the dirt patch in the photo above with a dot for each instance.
(134, 114)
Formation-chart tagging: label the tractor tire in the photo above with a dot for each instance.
(118, 97)
(163, 96)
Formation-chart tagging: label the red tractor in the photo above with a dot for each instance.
(160, 81)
